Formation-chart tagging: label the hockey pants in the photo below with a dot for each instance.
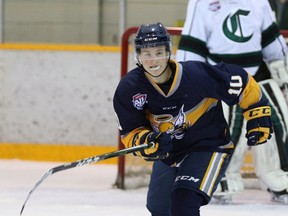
(182, 190)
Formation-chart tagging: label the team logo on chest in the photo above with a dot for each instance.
(175, 126)
(233, 28)
(139, 101)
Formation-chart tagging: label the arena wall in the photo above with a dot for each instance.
(56, 101)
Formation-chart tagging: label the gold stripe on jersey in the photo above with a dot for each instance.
(128, 138)
(251, 94)
(191, 117)
(196, 112)
(176, 81)
(212, 172)
(166, 122)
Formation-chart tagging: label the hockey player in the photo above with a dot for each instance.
(177, 106)
(243, 32)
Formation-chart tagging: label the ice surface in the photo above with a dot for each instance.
(88, 190)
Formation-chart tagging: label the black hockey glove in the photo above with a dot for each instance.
(161, 148)
(259, 125)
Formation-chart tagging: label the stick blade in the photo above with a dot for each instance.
(48, 173)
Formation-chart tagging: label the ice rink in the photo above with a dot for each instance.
(87, 191)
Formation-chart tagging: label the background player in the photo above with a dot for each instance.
(244, 32)
(178, 106)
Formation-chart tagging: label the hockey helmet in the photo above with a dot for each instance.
(152, 35)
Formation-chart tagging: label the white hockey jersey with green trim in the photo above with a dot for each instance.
(241, 32)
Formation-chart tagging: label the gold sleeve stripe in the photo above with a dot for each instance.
(193, 115)
(251, 94)
(127, 138)
(212, 172)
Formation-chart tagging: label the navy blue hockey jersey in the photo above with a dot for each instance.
(193, 99)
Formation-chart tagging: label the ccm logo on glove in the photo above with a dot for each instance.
(259, 125)
(259, 111)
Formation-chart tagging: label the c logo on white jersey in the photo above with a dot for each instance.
(235, 33)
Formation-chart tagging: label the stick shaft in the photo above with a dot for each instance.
(85, 161)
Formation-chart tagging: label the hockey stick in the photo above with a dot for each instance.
(85, 161)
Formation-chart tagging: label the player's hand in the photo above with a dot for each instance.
(159, 150)
(259, 125)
